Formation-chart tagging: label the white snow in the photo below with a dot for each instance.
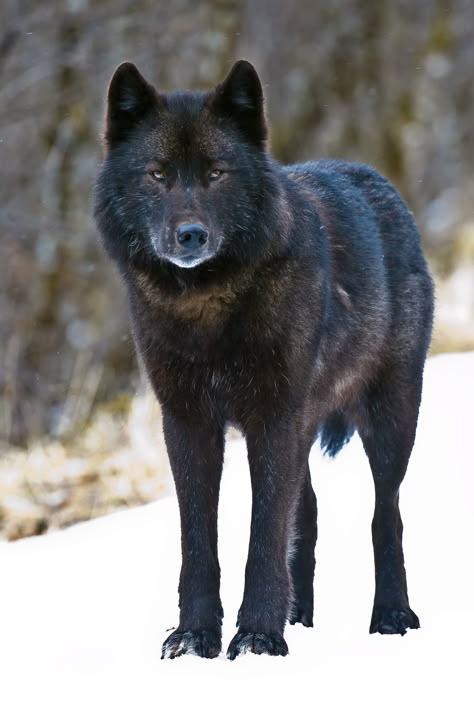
(83, 612)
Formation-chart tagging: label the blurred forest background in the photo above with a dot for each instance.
(387, 83)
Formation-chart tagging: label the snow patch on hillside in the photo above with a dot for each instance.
(83, 612)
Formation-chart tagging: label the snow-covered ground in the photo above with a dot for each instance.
(83, 612)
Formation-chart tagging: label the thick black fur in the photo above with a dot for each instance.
(303, 310)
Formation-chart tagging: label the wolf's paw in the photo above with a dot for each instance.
(389, 620)
(301, 612)
(203, 643)
(258, 643)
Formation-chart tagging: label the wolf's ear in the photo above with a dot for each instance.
(240, 96)
(129, 99)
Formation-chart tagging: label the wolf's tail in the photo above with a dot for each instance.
(335, 433)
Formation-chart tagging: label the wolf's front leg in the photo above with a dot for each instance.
(277, 477)
(196, 449)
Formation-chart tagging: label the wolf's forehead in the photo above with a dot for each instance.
(181, 135)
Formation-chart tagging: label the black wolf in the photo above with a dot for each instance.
(293, 302)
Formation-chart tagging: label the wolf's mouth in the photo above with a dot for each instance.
(187, 261)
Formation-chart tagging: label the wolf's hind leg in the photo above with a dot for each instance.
(388, 435)
(302, 560)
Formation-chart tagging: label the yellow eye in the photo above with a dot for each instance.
(158, 175)
(215, 174)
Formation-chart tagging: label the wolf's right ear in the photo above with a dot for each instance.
(240, 96)
(129, 99)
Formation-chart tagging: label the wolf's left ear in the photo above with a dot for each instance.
(129, 99)
(240, 96)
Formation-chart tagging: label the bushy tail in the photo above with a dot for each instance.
(335, 433)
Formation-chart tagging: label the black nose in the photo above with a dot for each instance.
(191, 237)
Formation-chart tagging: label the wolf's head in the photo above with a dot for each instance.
(186, 175)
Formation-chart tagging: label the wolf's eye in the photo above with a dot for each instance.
(158, 175)
(215, 174)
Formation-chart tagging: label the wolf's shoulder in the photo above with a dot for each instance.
(342, 182)
(334, 171)
(331, 184)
